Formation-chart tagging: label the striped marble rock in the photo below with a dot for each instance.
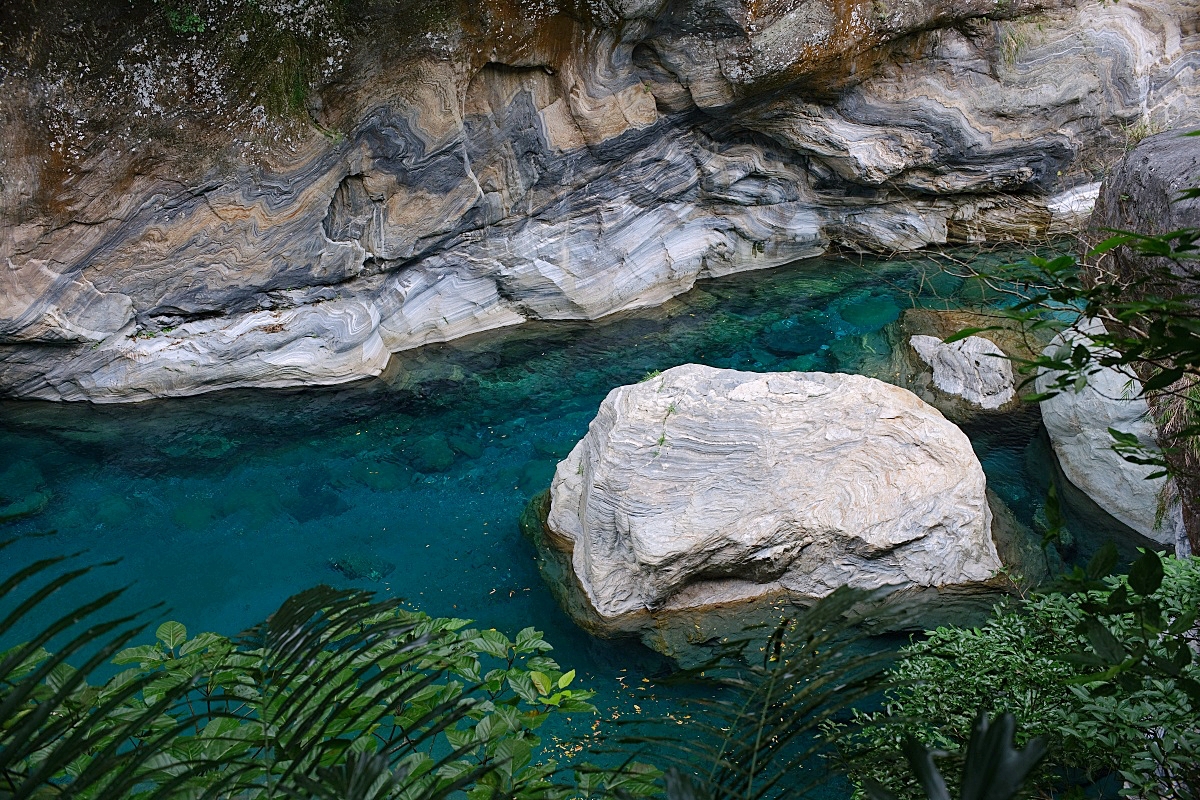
(552, 167)
(703, 488)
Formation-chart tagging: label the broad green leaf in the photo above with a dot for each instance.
(541, 682)
(459, 738)
(171, 634)
(522, 684)
(1124, 438)
(565, 680)
(493, 643)
(1103, 642)
(530, 639)
(60, 676)
(483, 730)
(202, 641)
(965, 332)
(1146, 574)
(27, 665)
(142, 654)
(1103, 561)
(514, 754)
(1163, 379)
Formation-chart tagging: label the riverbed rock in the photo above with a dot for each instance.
(362, 566)
(1078, 423)
(973, 368)
(23, 492)
(1142, 193)
(165, 232)
(703, 493)
(925, 327)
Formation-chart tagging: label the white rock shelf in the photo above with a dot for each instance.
(708, 490)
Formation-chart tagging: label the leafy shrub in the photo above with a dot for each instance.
(333, 696)
(754, 734)
(1104, 671)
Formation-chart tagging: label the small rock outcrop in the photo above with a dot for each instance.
(1078, 423)
(705, 490)
(964, 380)
(973, 368)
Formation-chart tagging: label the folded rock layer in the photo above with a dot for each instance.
(509, 160)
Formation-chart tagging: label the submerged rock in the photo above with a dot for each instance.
(431, 453)
(871, 314)
(23, 492)
(973, 368)
(1078, 423)
(792, 337)
(702, 494)
(362, 567)
(28, 505)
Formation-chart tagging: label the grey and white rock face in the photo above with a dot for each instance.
(703, 487)
(973, 368)
(1078, 424)
(532, 161)
(1142, 193)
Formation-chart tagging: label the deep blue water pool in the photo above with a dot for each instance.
(221, 506)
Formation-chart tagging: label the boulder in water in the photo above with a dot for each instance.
(1078, 423)
(704, 493)
(431, 453)
(359, 567)
(973, 368)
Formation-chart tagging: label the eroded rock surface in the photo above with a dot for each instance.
(973, 368)
(516, 160)
(705, 489)
(992, 379)
(1078, 424)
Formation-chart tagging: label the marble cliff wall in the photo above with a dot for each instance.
(526, 161)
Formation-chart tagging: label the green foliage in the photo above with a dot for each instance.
(273, 52)
(334, 696)
(1152, 326)
(757, 735)
(1104, 672)
(993, 768)
(182, 20)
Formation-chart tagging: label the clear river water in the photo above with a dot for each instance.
(222, 505)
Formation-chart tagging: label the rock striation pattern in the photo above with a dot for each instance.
(1078, 424)
(702, 489)
(533, 160)
(973, 368)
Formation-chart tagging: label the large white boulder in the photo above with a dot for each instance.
(1078, 423)
(973, 368)
(703, 487)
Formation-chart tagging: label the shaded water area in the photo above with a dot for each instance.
(220, 506)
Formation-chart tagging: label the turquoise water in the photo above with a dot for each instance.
(222, 505)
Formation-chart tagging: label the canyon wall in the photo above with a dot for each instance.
(162, 233)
